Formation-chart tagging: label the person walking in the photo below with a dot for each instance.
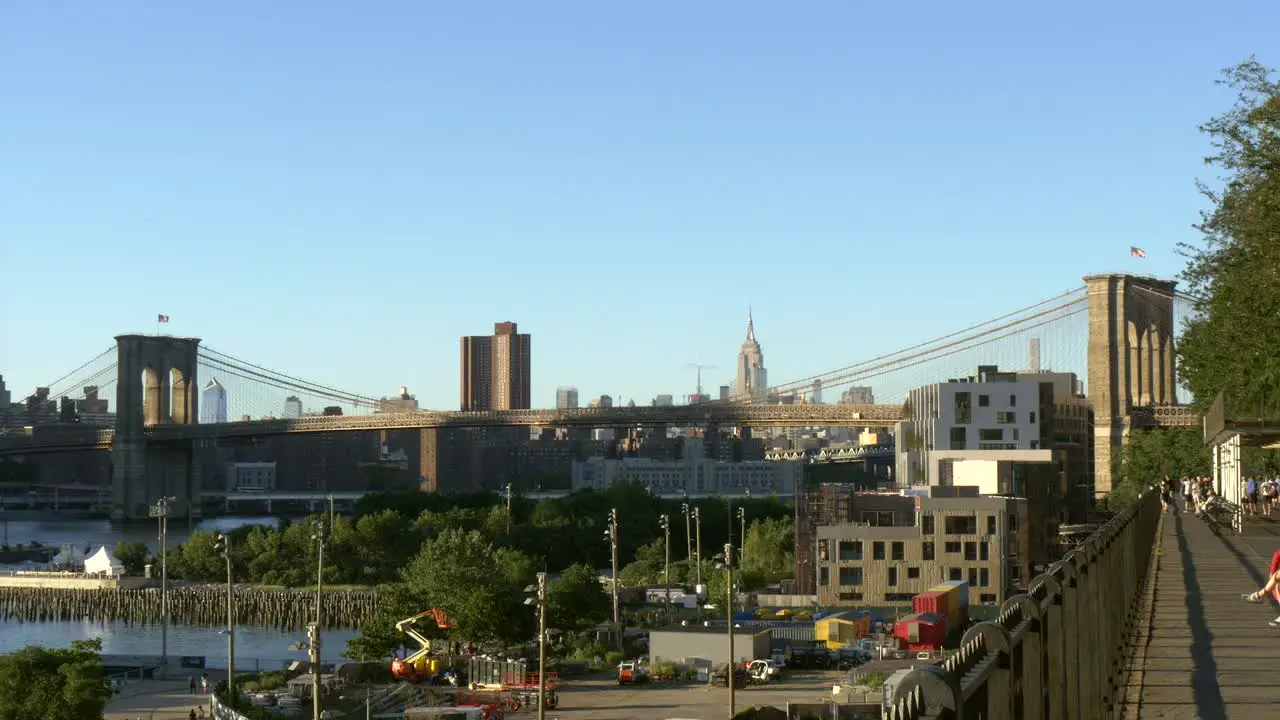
(191, 685)
(1261, 595)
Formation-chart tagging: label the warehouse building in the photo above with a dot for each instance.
(707, 647)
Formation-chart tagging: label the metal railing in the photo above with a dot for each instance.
(1059, 652)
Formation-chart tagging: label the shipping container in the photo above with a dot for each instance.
(842, 629)
(931, 602)
(490, 673)
(964, 591)
(921, 631)
(956, 602)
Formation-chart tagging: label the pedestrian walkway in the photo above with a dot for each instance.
(1210, 655)
(156, 700)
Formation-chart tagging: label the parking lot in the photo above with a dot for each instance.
(604, 699)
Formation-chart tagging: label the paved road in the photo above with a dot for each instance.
(1211, 656)
(155, 700)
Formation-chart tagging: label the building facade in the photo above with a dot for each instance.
(213, 403)
(694, 473)
(752, 380)
(981, 540)
(495, 372)
(566, 398)
(292, 407)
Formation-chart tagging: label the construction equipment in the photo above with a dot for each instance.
(418, 666)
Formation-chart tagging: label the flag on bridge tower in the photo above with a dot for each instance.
(1134, 251)
(162, 318)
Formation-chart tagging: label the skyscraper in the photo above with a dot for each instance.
(495, 370)
(292, 407)
(752, 378)
(213, 403)
(566, 398)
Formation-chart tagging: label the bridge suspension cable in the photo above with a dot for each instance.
(307, 386)
(62, 381)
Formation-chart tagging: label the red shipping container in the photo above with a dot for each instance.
(921, 631)
(931, 602)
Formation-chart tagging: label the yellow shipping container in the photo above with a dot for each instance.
(842, 629)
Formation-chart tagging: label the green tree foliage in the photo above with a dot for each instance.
(133, 555)
(576, 600)
(770, 549)
(1153, 455)
(1230, 346)
(37, 682)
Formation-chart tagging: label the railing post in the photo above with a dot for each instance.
(1028, 662)
(1056, 642)
(929, 690)
(993, 639)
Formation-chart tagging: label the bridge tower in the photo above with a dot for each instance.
(1131, 359)
(156, 385)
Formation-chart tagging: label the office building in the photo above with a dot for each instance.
(213, 403)
(495, 370)
(400, 402)
(858, 396)
(664, 401)
(752, 381)
(292, 407)
(566, 398)
(694, 474)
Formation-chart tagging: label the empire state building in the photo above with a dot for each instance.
(752, 379)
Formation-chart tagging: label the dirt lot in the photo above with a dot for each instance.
(603, 699)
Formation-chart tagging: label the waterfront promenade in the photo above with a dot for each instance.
(1205, 654)
(157, 700)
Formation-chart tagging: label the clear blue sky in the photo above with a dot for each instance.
(340, 190)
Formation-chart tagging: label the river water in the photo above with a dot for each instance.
(256, 647)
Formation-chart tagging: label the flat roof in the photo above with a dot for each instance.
(1256, 428)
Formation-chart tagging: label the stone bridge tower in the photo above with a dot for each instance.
(156, 385)
(1131, 360)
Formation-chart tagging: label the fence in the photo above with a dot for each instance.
(1058, 652)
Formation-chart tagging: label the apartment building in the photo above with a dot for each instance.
(981, 540)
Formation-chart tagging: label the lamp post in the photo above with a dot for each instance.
(223, 544)
(742, 538)
(727, 560)
(688, 531)
(540, 599)
(697, 543)
(318, 536)
(665, 523)
(508, 508)
(612, 534)
(160, 511)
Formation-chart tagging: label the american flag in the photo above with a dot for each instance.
(1134, 251)
(162, 318)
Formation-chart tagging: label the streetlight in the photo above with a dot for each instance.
(223, 544)
(318, 536)
(540, 599)
(508, 508)
(665, 523)
(726, 561)
(697, 546)
(742, 539)
(160, 511)
(612, 534)
(688, 531)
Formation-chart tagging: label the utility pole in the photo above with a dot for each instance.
(540, 599)
(333, 516)
(612, 534)
(223, 543)
(318, 536)
(508, 508)
(742, 539)
(665, 523)
(160, 511)
(688, 532)
(697, 534)
(728, 605)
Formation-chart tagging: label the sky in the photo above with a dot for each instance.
(340, 190)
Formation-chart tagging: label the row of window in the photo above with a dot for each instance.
(854, 576)
(894, 598)
(962, 524)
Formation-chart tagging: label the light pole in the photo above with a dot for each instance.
(742, 538)
(697, 542)
(318, 536)
(688, 532)
(665, 523)
(160, 511)
(728, 605)
(508, 508)
(540, 598)
(223, 543)
(612, 534)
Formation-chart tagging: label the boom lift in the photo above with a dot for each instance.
(418, 666)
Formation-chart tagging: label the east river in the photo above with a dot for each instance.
(256, 647)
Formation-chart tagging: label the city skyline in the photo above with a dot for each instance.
(700, 161)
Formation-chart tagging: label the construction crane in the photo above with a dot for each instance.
(699, 367)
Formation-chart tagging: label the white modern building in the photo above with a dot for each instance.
(213, 403)
(694, 474)
(292, 407)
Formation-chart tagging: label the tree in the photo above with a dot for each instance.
(1153, 455)
(133, 555)
(770, 548)
(1229, 347)
(38, 682)
(576, 600)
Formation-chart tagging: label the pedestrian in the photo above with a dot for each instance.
(191, 685)
(200, 715)
(204, 683)
(192, 714)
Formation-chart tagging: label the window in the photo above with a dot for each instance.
(824, 576)
(850, 576)
(955, 573)
(984, 577)
(953, 546)
(893, 577)
(822, 550)
(1006, 418)
(991, 524)
(987, 597)
(984, 400)
(877, 550)
(926, 524)
(1013, 523)
(989, 435)
(898, 550)
(1033, 416)
(926, 551)
(973, 577)
(850, 597)
(964, 408)
(1015, 434)
(958, 438)
(971, 551)
(961, 525)
(850, 550)
(898, 597)
(1013, 401)
(984, 552)
(913, 573)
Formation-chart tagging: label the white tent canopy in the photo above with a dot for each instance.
(103, 563)
(69, 555)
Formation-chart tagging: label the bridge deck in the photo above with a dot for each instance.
(1209, 655)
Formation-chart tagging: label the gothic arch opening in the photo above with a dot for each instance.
(180, 396)
(152, 404)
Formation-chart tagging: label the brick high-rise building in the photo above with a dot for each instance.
(495, 370)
